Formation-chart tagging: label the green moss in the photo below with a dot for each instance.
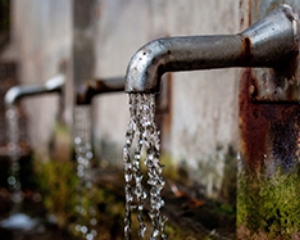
(177, 234)
(171, 168)
(223, 209)
(61, 143)
(269, 205)
(58, 185)
(229, 182)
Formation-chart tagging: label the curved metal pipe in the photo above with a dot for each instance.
(54, 84)
(268, 43)
(91, 88)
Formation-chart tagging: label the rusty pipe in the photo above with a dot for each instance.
(91, 88)
(270, 43)
(54, 84)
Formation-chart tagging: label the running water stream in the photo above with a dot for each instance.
(85, 209)
(14, 152)
(142, 132)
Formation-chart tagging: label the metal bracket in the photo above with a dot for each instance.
(270, 85)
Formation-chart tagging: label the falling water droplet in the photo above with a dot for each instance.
(83, 229)
(93, 221)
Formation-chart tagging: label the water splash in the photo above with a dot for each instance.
(14, 152)
(143, 130)
(86, 225)
(19, 221)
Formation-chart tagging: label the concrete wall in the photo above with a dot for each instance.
(42, 40)
(202, 116)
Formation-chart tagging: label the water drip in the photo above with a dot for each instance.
(16, 219)
(14, 152)
(85, 210)
(143, 132)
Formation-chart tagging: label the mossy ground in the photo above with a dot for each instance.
(191, 214)
(188, 217)
(269, 207)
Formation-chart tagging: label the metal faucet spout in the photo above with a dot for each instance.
(54, 84)
(267, 43)
(91, 88)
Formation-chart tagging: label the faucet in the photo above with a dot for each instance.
(272, 43)
(88, 90)
(54, 84)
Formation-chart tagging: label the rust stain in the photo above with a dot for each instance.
(247, 45)
(253, 126)
(246, 51)
(88, 90)
(268, 131)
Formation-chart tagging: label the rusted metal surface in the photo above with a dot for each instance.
(268, 119)
(270, 85)
(269, 123)
(272, 43)
(87, 91)
(268, 131)
(253, 125)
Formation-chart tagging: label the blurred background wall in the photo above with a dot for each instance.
(199, 115)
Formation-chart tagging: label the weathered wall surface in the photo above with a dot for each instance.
(202, 118)
(42, 39)
(204, 103)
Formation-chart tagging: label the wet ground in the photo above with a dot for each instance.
(29, 222)
(191, 215)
